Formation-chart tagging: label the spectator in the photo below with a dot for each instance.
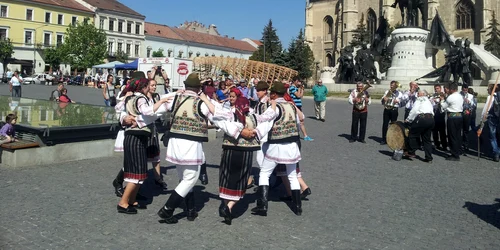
(56, 93)
(64, 96)
(108, 91)
(296, 91)
(8, 132)
(252, 93)
(15, 84)
(320, 92)
(209, 89)
(243, 88)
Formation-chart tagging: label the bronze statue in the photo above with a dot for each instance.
(346, 65)
(411, 7)
(468, 57)
(365, 65)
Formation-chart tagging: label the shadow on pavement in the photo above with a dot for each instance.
(346, 136)
(375, 138)
(487, 213)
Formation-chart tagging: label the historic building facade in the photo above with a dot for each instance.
(329, 23)
(33, 25)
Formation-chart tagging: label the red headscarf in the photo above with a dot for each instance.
(241, 108)
(236, 91)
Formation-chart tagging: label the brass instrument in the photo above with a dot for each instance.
(390, 93)
(361, 105)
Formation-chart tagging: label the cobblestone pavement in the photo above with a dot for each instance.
(361, 199)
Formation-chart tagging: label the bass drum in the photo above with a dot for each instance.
(396, 135)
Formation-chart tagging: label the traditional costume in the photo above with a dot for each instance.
(359, 114)
(468, 107)
(453, 105)
(390, 111)
(421, 118)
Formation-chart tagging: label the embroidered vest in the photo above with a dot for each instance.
(285, 126)
(242, 143)
(132, 109)
(261, 107)
(189, 123)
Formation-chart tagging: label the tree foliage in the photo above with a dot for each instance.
(300, 56)
(158, 53)
(121, 56)
(271, 46)
(360, 35)
(492, 44)
(53, 56)
(84, 45)
(6, 51)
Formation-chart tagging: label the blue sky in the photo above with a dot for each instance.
(235, 18)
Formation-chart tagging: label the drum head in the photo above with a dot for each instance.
(396, 134)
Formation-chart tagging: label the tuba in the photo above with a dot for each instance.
(361, 105)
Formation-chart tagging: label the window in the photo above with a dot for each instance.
(371, 23)
(74, 20)
(120, 45)
(48, 17)
(137, 29)
(120, 26)
(328, 28)
(3, 33)
(29, 14)
(128, 49)
(59, 39)
(111, 25)
(47, 39)
(101, 23)
(136, 50)
(129, 28)
(60, 19)
(28, 37)
(148, 52)
(110, 48)
(465, 15)
(3, 11)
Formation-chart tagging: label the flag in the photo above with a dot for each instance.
(438, 35)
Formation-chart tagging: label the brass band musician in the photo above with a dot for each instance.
(391, 102)
(439, 131)
(359, 99)
(421, 119)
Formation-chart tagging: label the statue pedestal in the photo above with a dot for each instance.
(409, 60)
(327, 75)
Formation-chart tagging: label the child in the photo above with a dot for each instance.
(7, 132)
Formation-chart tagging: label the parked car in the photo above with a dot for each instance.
(39, 79)
(75, 80)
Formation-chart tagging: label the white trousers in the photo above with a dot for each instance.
(188, 174)
(319, 109)
(267, 168)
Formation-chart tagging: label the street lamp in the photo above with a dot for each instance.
(34, 47)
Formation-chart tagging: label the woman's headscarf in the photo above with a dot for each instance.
(241, 106)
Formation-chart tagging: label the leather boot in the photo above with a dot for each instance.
(118, 184)
(203, 174)
(261, 208)
(167, 211)
(297, 202)
(191, 210)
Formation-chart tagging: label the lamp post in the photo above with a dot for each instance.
(34, 46)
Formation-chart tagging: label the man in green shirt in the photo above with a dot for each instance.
(320, 92)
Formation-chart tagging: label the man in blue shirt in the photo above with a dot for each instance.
(296, 91)
(243, 88)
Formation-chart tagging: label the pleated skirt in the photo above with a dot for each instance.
(233, 173)
(135, 161)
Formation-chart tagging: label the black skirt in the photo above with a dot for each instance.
(153, 148)
(135, 162)
(233, 173)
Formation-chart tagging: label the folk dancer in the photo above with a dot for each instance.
(439, 131)
(281, 148)
(391, 102)
(135, 143)
(469, 106)
(421, 118)
(493, 120)
(409, 98)
(188, 131)
(238, 146)
(453, 105)
(359, 112)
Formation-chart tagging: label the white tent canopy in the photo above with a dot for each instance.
(110, 65)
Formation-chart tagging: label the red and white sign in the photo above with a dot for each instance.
(183, 69)
(156, 60)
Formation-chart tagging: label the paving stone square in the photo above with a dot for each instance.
(361, 199)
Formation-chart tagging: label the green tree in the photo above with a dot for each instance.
(158, 53)
(360, 35)
(53, 56)
(121, 56)
(492, 44)
(84, 45)
(6, 51)
(271, 45)
(301, 57)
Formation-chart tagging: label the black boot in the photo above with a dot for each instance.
(118, 184)
(226, 213)
(191, 210)
(297, 202)
(261, 208)
(203, 174)
(167, 211)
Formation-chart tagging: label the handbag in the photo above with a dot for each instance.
(165, 137)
